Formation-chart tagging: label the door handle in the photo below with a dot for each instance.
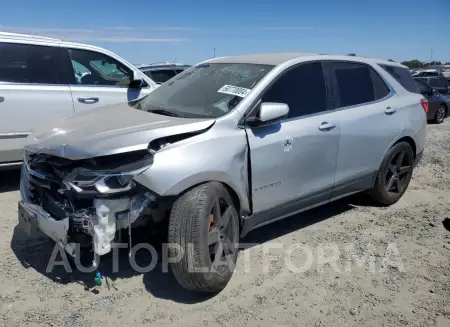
(88, 100)
(2, 99)
(326, 126)
(390, 111)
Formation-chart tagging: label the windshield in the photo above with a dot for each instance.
(206, 90)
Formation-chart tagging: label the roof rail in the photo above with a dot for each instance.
(26, 36)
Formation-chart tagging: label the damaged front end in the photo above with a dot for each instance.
(86, 202)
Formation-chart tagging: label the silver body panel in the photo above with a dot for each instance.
(109, 130)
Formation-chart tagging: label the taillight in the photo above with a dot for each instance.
(424, 103)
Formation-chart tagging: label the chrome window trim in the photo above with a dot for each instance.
(31, 84)
(17, 135)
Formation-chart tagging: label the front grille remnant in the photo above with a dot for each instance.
(43, 185)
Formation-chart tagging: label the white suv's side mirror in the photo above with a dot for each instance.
(137, 80)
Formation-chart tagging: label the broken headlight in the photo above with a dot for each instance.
(82, 180)
(115, 184)
(108, 174)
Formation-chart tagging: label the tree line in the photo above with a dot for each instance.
(414, 64)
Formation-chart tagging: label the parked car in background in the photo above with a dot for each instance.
(435, 78)
(43, 80)
(438, 83)
(438, 104)
(227, 146)
(162, 72)
(427, 73)
(446, 74)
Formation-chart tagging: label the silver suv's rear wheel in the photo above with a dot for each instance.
(394, 175)
(203, 237)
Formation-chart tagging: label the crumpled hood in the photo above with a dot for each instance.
(109, 130)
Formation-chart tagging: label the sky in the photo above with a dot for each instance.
(146, 31)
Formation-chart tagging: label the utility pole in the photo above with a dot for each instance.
(214, 52)
(431, 54)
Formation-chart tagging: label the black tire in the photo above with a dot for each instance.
(440, 114)
(394, 175)
(199, 216)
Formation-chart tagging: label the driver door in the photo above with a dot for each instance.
(99, 80)
(293, 160)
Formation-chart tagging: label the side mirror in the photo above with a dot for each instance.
(136, 80)
(269, 111)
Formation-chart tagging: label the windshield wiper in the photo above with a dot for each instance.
(164, 112)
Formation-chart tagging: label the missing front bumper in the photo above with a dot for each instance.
(33, 218)
(111, 215)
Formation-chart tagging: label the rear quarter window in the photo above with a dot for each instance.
(403, 76)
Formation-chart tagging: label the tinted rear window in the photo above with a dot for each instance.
(357, 84)
(423, 86)
(438, 82)
(403, 76)
(34, 64)
(162, 76)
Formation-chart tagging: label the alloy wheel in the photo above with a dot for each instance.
(221, 239)
(440, 115)
(398, 172)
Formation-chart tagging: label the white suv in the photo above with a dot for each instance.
(43, 80)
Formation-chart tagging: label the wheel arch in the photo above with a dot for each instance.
(408, 140)
(239, 197)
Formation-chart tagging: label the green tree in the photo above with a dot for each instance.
(413, 64)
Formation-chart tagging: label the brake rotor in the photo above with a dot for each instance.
(210, 222)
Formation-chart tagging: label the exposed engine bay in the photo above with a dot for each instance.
(94, 198)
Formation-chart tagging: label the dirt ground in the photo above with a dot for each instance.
(413, 290)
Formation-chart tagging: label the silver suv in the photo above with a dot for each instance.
(227, 146)
(43, 80)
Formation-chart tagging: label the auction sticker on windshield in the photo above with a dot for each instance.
(234, 90)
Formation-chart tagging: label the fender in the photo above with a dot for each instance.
(199, 159)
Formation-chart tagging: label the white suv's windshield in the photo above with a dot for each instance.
(205, 90)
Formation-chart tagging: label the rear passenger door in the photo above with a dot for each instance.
(99, 80)
(32, 94)
(369, 122)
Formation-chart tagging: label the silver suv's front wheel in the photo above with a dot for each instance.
(203, 238)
